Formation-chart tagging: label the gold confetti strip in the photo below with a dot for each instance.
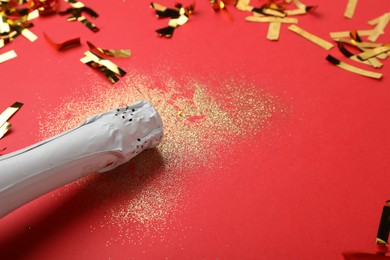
(373, 53)
(273, 31)
(375, 63)
(4, 129)
(243, 5)
(371, 62)
(110, 65)
(270, 19)
(314, 39)
(375, 21)
(301, 8)
(178, 15)
(108, 73)
(76, 10)
(29, 35)
(360, 45)
(353, 69)
(120, 53)
(271, 12)
(32, 15)
(7, 114)
(7, 56)
(343, 34)
(380, 27)
(350, 10)
(295, 12)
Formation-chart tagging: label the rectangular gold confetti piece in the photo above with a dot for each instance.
(7, 56)
(4, 129)
(320, 42)
(350, 10)
(374, 62)
(373, 53)
(268, 19)
(295, 12)
(375, 21)
(380, 27)
(243, 5)
(119, 53)
(272, 12)
(273, 31)
(108, 64)
(8, 113)
(33, 15)
(353, 69)
(29, 35)
(336, 35)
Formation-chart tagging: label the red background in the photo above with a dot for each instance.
(310, 186)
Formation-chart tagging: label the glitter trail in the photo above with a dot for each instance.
(196, 122)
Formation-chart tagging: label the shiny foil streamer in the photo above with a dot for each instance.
(45, 7)
(384, 227)
(120, 53)
(76, 14)
(380, 27)
(108, 68)
(353, 69)
(352, 56)
(6, 115)
(178, 16)
(217, 5)
(108, 73)
(71, 43)
(308, 36)
(7, 56)
(350, 9)
(374, 52)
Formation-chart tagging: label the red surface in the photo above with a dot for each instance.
(310, 187)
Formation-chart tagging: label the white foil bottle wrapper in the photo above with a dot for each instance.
(100, 144)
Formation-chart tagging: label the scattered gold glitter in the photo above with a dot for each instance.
(148, 190)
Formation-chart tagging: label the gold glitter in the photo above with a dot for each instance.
(148, 190)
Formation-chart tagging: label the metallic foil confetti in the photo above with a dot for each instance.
(301, 8)
(350, 9)
(348, 54)
(380, 27)
(354, 34)
(13, 23)
(108, 68)
(4, 129)
(6, 115)
(384, 227)
(217, 5)
(76, 11)
(108, 73)
(270, 19)
(374, 52)
(336, 35)
(274, 26)
(63, 45)
(353, 69)
(45, 7)
(120, 53)
(243, 5)
(375, 21)
(273, 31)
(314, 39)
(7, 56)
(267, 10)
(178, 15)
